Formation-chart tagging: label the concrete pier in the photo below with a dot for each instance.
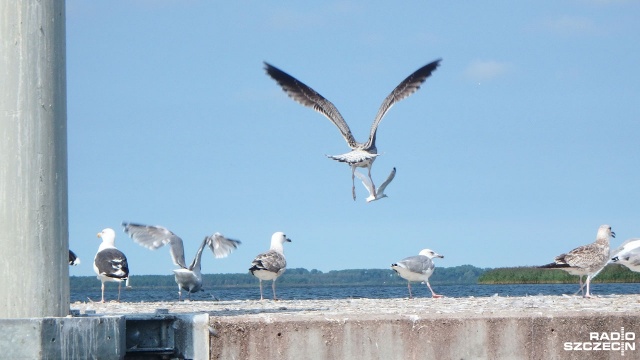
(533, 327)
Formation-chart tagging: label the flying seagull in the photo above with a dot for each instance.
(587, 259)
(361, 154)
(417, 268)
(271, 264)
(628, 254)
(110, 263)
(375, 194)
(189, 277)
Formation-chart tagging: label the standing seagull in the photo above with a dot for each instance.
(361, 154)
(271, 264)
(628, 254)
(587, 259)
(375, 194)
(188, 278)
(417, 268)
(110, 263)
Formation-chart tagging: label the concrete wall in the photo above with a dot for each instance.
(63, 338)
(134, 336)
(388, 337)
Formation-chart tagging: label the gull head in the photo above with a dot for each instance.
(605, 232)
(277, 240)
(107, 235)
(430, 254)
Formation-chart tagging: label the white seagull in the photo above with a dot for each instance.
(587, 259)
(375, 194)
(628, 254)
(271, 264)
(110, 263)
(361, 154)
(189, 277)
(417, 268)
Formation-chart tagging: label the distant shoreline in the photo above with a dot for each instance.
(458, 275)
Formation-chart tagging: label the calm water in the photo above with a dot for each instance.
(345, 292)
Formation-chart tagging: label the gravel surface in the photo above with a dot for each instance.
(341, 309)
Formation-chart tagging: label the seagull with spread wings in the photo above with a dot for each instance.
(375, 194)
(361, 154)
(188, 278)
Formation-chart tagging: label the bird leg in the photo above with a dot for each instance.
(119, 286)
(102, 293)
(273, 287)
(409, 286)
(179, 293)
(261, 297)
(588, 294)
(433, 294)
(581, 287)
(353, 182)
(373, 186)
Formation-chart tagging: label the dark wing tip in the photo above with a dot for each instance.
(126, 225)
(553, 265)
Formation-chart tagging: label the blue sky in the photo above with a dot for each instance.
(518, 147)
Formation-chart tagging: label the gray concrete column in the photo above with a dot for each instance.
(34, 275)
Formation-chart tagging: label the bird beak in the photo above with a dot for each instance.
(99, 235)
(441, 256)
(613, 234)
(287, 240)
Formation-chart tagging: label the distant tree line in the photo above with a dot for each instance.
(613, 273)
(457, 275)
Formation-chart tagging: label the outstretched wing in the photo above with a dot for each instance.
(365, 181)
(221, 246)
(308, 97)
(407, 87)
(154, 237)
(386, 182)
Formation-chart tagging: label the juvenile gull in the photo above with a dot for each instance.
(73, 259)
(271, 264)
(110, 263)
(587, 259)
(361, 154)
(628, 254)
(375, 194)
(417, 268)
(189, 277)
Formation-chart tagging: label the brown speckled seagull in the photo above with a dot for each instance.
(271, 264)
(587, 259)
(361, 154)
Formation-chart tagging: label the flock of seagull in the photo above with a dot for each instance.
(110, 264)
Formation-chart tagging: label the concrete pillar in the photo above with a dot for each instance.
(34, 275)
